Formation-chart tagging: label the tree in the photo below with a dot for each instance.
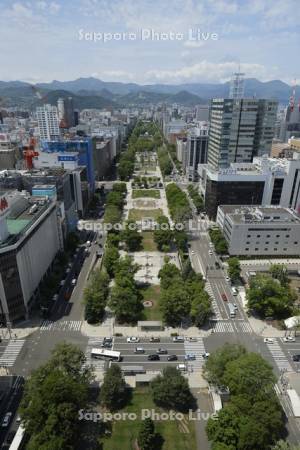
(110, 259)
(113, 392)
(234, 269)
(53, 395)
(282, 445)
(201, 308)
(215, 366)
(168, 274)
(218, 240)
(163, 235)
(171, 390)
(131, 236)
(280, 272)
(147, 437)
(268, 298)
(113, 215)
(174, 303)
(249, 374)
(95, 296)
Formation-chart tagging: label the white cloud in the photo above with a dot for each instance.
(54, 8)
(193, 44)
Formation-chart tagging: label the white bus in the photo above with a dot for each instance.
(101, 353)
(231, 310)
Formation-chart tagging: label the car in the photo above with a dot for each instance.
(70, 265)
(10, 437)
(178, 339)
(62, 282)
(217, 265)
(211, 244)
(269, 340)
(210, 252)
(73, 282)
(161, 351)
(106, 344)
(205, 355)
(6, 420)
(88, 243)
(181, 367)
(133, 339)
(190, 356)
(193, 252)
(296, 358)
(68, 269)
(107, 339)
(18, 419)
(153, 357)
(289, 339)
(154, 339)
(234, 291)
(172, 358)
(224, 297)
(227, 278)
(99, 254)
(235, 306)
(139, 350)
(55, 297)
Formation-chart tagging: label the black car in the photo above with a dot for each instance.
(153, 357)
(107, 342)
(296, 358)
(217, 265)
(172, 358)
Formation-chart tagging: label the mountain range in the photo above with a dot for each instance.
(95, 93)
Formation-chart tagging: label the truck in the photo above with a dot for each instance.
(231, 310)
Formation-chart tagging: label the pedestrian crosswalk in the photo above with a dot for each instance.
(198, 349)
(245, 327)
(222, 327)
(279, 356)
(214, 304)
(10, 354)
(61, 325)
(96, 364)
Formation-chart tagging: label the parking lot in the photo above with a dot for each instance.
(180, 349)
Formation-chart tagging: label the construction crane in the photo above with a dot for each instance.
(29, 152)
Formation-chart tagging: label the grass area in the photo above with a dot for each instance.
(152, 293)
(148, 244)
(147, 193)
(139, 214)
(125, 431)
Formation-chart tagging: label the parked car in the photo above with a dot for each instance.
(133, 339)
(296, 358)
(172, 358)
(193, 252)
(6, 420)
(178, 339)
(224, 297)
(205, 355)
(153, 357)
(161, 351)
(154, 339)
(269, 340)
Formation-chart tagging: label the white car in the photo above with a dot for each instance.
(227, 278)
(193, 252)
(190, 356)
(133, 339)
(6, 420)
(178, 339)
(289, 339)
(73, 282)
(88, 243)
(205, 355)
(269, 340)
(210, 252)
(62, 282)
(55, 297)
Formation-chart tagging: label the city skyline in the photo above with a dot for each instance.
(171, 42)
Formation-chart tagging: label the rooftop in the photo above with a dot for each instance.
(266, 215)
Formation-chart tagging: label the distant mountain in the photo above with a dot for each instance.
(80, 101)
(96, 92)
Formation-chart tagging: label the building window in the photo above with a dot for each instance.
(285, 249)
(247, 249)
(256, 249)
(277, 235)
(258, 235)
(267, 242)
(287, 235)
(268, 235)
(275, 249)
(248, 242)
(248, 235)
(266, 249)
(296, 243)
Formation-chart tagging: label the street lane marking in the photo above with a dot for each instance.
(11, 352)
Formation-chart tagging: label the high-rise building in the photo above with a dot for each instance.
(196, 150)
(239, 130)
(69, 112)
(236, 90)
(290, 124)
(48, 123)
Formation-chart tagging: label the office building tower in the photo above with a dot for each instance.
(196, 150)
(48, 123)
(239, 130)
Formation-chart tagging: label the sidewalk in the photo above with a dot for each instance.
(22, 330)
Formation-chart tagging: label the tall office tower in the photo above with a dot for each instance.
(69, 112)
(202, 112)
(196, 150)
(236, 90)
(61, 108)
(239, 130)
(290, 124)
(48, 123)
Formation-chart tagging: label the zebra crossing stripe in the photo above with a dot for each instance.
(279, 356)
(97, 364)
(65, 325)
(196, 348)
(11, 352)
(223, 327)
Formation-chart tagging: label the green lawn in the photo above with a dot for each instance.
(149, 193)
(148, 244)
(125, 432)
(139, 214)
(152, 293)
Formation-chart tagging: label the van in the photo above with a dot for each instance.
(181, 367)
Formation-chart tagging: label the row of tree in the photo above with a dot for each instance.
(218, 240)
(164, 160)
(196, 197)
(253, 418)
(183, 296)
(178, 203)
(115, 204)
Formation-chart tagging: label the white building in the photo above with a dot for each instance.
(48, 122)
(30, 237)
(266, 231)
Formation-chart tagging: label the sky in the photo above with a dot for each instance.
(149, 41)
